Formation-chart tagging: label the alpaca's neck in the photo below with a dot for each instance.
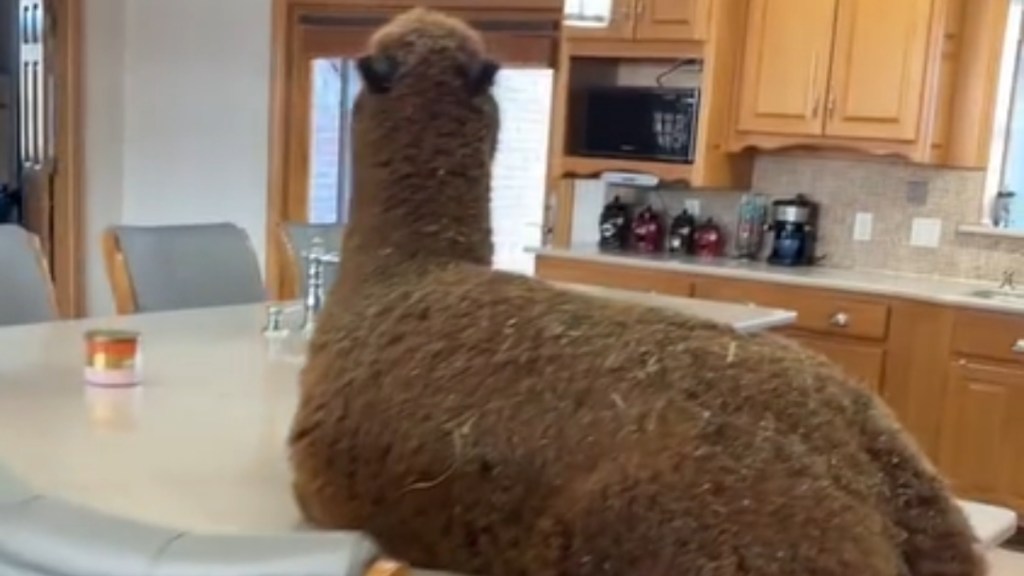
(399, 218)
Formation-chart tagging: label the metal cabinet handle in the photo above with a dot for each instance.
(831, 108)
(641, 7)
(1018, 347)
(840, 320)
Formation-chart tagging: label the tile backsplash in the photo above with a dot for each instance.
(894, 193)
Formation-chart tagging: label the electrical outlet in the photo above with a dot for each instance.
(863, 226)
(692, 205)
(926, 232)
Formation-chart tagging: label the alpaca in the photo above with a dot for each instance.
(487, 423)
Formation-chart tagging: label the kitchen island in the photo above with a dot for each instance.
(200, 445)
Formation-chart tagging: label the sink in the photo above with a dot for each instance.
(1015, 297)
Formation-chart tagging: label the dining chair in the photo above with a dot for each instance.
(298, 238)
(176, 267)
(27, 294)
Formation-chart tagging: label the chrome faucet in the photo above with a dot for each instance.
(313, 301)
(1007, 283)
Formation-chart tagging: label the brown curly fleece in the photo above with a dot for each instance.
(486, 423)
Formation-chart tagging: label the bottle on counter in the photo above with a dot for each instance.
(680, 235)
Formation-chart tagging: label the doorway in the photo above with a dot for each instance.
(39, 131)
(314, 87)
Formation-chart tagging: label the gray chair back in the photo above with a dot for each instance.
(45, 536)
(299, 238)
(26, 290)
(190, 266)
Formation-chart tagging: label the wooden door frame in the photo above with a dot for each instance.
(65, 252)
(68, 258)
(283, 204)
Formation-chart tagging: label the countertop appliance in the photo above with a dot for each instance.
(680, 234)
(648, 231)
(794, 231)
(615, 225)
(751, 224)
(639, 123)
(708, 240)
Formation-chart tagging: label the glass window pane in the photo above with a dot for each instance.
(595, 13)
(519, 180)
(335, 84)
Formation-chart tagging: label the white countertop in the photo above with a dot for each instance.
(742, 318)
(199, 446)
(924, 288)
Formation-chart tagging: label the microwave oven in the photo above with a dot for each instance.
(655, 124)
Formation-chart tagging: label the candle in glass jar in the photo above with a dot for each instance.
(113, 358)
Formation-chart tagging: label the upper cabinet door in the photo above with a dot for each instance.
(785, 66)
(878, 69)
(672, 19)
(600, 19)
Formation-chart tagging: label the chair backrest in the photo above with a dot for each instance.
(157, 268)
(42, 535)
(26, 290)
(299, 237)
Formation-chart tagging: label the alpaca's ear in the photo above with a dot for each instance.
(378, 72)
(480, 77)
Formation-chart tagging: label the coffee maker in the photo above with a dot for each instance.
(794, 223)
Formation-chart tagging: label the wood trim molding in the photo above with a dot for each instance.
(68, 222)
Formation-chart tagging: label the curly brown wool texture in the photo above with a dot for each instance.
(488, 424)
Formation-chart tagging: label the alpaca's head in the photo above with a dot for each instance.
(425, 132)
(431, 71)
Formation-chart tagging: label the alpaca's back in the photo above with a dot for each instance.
(451, 411)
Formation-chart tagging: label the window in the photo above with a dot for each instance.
(1006, 164)
(592, 13)
(519, 178)
(335, 85)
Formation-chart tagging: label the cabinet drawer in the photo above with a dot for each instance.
(987, 335)
(612, 276)
(817, 311)
(864, 362)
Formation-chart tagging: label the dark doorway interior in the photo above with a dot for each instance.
(9, 180)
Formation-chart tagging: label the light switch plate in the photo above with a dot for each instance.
(926, 232)
(692, 206)
(863, 226)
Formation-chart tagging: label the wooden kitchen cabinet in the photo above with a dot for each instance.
(611, 276)
(878, 69)
(982, 434)
(848, 69)
(877, 77)
(650, 20)
(981, 438)
(672, 19)
(818, 311)
(784, 77)
(864, 362)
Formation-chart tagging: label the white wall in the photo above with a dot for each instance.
(103, 125)
(176, 117)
